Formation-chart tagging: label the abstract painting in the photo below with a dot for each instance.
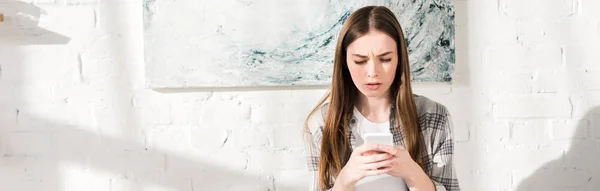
(239, 43)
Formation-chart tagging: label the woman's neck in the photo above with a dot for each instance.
(374, 109)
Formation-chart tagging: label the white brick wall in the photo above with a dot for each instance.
(75, 113)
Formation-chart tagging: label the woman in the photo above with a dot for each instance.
(371, 89)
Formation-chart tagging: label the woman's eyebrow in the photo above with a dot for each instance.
(380, 55)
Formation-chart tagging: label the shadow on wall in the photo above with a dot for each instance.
(76, 159)
(38, 153)
(578, 168)
(20, 26)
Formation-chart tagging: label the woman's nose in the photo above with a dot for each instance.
(372, 69)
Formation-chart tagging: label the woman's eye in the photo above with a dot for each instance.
(386, 60)
(360, 62)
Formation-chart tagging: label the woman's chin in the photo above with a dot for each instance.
(373, 94)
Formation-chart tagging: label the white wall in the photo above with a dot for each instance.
(75, 113)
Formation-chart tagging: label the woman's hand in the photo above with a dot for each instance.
(403, 166)
(364, 162)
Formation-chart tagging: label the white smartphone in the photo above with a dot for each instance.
(378, 138)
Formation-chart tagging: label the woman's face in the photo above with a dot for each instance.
(372, 60)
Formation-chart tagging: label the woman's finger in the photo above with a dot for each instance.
(367, 153)
(374, 158)
(364, 148)
(392, 150)
(377, 165)
(376, 172)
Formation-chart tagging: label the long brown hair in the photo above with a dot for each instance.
(342, 94)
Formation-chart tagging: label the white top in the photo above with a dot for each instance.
(381, 182)
(365, 126)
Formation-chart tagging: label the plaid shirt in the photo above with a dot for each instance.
(435, 129)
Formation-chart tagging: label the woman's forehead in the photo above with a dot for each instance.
(372, 43)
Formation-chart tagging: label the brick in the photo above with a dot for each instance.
(10, 93)
(302, 102)
(209, 138)
(75, 143)
(28, 144)
(242, 138)
(578, 31)
(8, 117)
(546, 10)
(495, 179)
(214, 168)
(595, 128)
(192, 164)
(510, 82)
(29, 173)
(225, 114)
(586, 103)
(10, 71)
(587, 7)
(483, 24)
(491, 131)
(557, 81)
(523, 59)
(268, 113)
(582, 56)
(151, 109)
(80, 177)
(3, 145)
(173, 138)
(116, 17)
(591, 98)
(110, 119)
(277, 97)
(532, 33)
(211, 184)
(542, 106)
(591, 80)
(531, 131)
(40, 1)
(78, 2)
(223, 181)
(234, 160)
(551, 176)
(293, 180)
(297, 111)
(70, 21)
(582, 155)
(112, 122)
(152, 181)
(462, 131)
(261, 159)
(265, 182)
(521, 155)
(186, 107)
(228, 96)
(468, 153)
(46, 23)
(431, 89)
(573, 31)
(270, 160)
(593, 117)
(123, 162)
(456, 102)
(65, 67)
(284, 135)
(29, 120)
(569, 129)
